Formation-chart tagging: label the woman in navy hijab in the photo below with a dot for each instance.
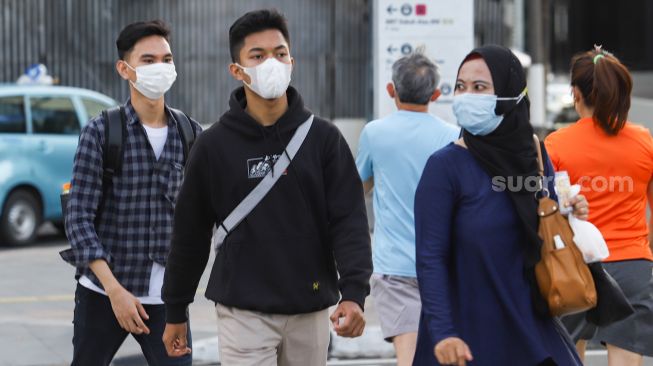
(476, 230)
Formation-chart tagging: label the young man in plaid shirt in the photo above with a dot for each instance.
(120, 233)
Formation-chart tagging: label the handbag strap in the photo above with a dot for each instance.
(540, 168)
(246, 206)
(539, 155)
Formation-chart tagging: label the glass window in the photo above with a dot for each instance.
(12, 115)
(93, 107)
(54, 115)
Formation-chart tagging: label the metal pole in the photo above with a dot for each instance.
(537, 71)
(331, 62)
(518, 29)
(536, 34)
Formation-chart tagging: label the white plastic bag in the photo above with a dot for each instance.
(589, 240)
(587, 237)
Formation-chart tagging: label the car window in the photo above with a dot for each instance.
(54, 115)
(93, 107)
(12, 115)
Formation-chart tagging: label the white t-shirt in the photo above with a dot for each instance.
(154, 295)
(157, 137)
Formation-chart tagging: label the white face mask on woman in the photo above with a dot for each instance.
(270, 79)
(154, 80)
(475, 112)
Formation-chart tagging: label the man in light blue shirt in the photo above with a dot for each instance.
(392, 153)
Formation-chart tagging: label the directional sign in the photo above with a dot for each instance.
(406, 9)
(444, 29)
(406, 49)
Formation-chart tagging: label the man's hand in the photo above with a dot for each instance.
(581, 207)
(353, 323)
(452, 351)
(128, 310)
(175, 341)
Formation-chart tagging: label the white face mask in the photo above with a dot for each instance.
(154, 80)
(475, 112)
(270, 79)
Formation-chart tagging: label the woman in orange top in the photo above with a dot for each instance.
(612, 160)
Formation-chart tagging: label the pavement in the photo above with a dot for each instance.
(37, 301)
(36, 307)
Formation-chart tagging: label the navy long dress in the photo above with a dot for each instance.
(470, 269)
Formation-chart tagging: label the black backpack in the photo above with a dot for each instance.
(114, 135)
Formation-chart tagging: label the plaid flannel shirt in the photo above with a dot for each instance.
(134, 229)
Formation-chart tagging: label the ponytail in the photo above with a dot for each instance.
(605, 85)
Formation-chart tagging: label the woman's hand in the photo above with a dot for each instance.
(452, 351)
(581, 207)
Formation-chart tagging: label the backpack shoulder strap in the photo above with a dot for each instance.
(185, 129)
(114, 120)
(112, 151)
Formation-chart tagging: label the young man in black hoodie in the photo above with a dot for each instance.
(303, 248)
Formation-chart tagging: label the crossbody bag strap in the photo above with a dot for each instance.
(246, 206)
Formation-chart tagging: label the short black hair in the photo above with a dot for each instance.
(254, 22)
(134, 32)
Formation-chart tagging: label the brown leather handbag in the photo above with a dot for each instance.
(562, 275)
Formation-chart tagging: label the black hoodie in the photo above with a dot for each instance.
(305, 244)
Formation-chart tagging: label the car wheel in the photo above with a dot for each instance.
(59, 225)
(20, 219)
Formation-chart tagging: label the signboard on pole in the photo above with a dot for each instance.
(442, 29)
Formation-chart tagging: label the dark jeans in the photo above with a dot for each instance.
(98, 335)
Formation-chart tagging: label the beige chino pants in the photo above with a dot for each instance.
(250, 338)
